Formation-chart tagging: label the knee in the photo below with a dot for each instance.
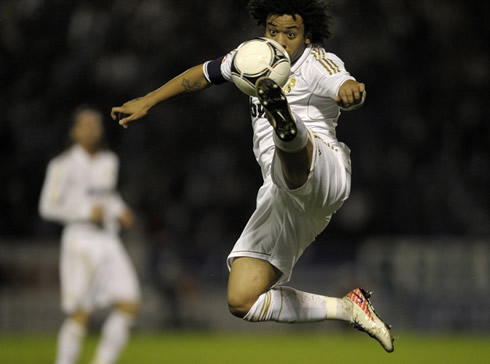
(249, 278)
(239, 304)
(80, 317)
(129, 308)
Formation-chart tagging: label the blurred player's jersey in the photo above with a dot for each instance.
(95, 269)
(76, 182)
(312, 86)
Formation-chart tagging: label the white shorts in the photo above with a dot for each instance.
(95, 271)
(286, 221)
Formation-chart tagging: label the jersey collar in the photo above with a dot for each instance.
(301, 59)
(80, 153)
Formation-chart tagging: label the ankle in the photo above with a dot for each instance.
(298, 142)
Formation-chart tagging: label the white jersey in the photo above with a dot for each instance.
(95, 269)
(312, 86)
(76, 182)
(286, 221)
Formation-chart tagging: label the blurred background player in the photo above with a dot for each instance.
(79, 192)
(306, 170)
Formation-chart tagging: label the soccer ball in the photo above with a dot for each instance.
(256, 58)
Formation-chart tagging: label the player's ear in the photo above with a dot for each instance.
(308, 38)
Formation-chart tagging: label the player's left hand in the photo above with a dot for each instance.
(350, 93)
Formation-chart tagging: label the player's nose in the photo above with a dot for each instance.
(282, 40)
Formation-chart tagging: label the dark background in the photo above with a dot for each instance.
(419, 146)
(415, 229)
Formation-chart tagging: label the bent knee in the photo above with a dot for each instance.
(249, 278)
(239, 306)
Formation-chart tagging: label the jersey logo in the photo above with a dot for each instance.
(327, 63)
(288, 88)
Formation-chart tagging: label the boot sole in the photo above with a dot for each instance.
(273, 100)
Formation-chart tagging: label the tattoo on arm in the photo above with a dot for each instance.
(188, 87)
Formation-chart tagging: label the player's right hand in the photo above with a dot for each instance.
(350, 93)
(130, 111)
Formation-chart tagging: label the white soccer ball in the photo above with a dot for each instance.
(256, 58)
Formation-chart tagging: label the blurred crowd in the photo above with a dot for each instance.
(419, 146)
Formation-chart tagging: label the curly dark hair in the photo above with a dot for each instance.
(315, 14)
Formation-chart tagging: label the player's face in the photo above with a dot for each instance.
(88, 131)
(288, 32)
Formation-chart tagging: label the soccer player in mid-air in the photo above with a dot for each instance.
(79, 191)
(306, 170)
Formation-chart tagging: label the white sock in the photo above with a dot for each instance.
(115, 334)
(285, 304)
(70, 339)
(298, 142)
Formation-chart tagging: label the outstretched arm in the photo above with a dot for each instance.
(190, 81)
